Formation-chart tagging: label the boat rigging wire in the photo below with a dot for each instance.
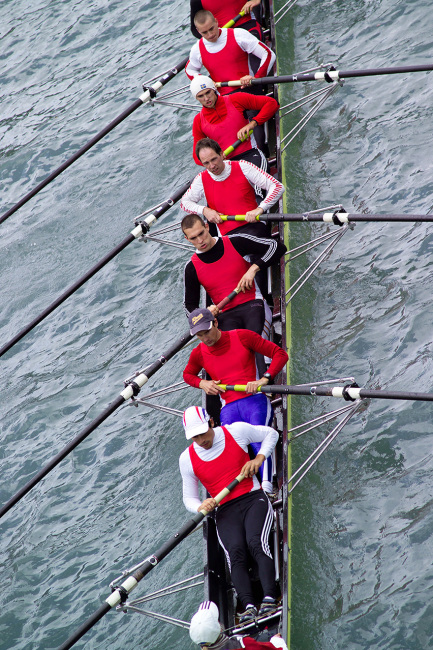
(302, 279)
(322, 447)
(171, 589)
(291, 3)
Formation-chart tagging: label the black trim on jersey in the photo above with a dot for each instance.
(266, 251)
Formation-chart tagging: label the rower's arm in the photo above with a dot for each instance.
(252, 45)
(255, 176)
(194, 200)
(190, 489)
(266, 250)
(245, 434)
(256, 343)
(192, 286)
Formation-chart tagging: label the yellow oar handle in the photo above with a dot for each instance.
(229, 84)
(233, 146)
(221, 495)
(236, 217)
(234, 20)
(239, 388)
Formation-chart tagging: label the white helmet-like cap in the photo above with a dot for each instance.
(205, 627)
(201, 82)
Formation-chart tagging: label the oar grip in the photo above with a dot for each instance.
(227, 299)
(234, 20)
(224, 492)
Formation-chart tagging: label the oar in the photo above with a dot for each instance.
(338, 218)
(148, 94)
(138, 231)
(120, 594)
(329, 75)
(234, 20)
(349, 392)
(132, 388)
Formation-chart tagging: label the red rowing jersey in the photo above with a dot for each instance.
(226, 11)
(221, 277)
(216, 474)
(234, 195)
(229, 63)
(231, 362)
(225, 131)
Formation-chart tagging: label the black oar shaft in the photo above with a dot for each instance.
(133, 388)
(331, 75)
(120, 593)
(166, 205)
(165, 78)
(74, 287)
(338, 218)
(353, 393)
(61, 455)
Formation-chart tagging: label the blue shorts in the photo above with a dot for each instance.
(254, 409)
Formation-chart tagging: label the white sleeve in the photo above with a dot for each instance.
(190, 200)
(257, 176)
(191, 498)
(252, 45)
(245, 433)
(194, 64)
(278, 642)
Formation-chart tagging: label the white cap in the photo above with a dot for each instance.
(205, 627)
(201, 82)
(195, 422)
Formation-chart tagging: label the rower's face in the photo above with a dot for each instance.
(207, 97)
(209, 337)
(209, 30)
(200, 236)
(205, 440)
(212, 161)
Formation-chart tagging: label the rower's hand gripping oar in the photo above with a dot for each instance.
(349, 392)
(120, 594)
(330, 75)
(133, 387)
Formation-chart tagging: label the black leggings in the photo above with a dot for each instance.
(243, 526)
(246, 316)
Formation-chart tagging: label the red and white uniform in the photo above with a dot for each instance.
(232, 361)
(226, 11)
(227, 58)
(217, 278)
(227, 455)
(228, 193)
(223, 121)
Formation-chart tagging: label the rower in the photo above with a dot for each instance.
(224, 12)
(219, 265)
(225, 54)
(244, 518)
(229, 357)
(206, 630)
(228, 187)
(223, 119)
